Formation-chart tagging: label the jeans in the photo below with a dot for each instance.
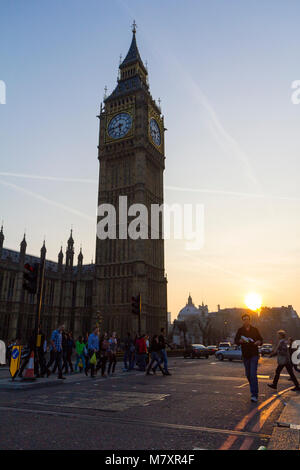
(141, 361)
(112, 362)
(79, 356)
(251, 374)
(155, 357)
(102, 363)
(163, 359)
(129, 356)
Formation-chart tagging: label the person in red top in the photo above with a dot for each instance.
(141, 352)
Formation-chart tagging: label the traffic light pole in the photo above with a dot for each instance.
(140, 308)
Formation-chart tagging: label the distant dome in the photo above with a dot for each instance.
(188, 310)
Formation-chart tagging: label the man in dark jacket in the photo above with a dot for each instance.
(249, 338)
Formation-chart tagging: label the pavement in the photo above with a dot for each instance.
(205, 404)
(286, 433)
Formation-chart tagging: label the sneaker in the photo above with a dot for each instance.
(167, 372)
(48, 373)
(254, 399)
(154, 371)
(61, 377)
(272, 386)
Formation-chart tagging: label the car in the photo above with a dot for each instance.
(197, 350)
(266, 348)
(224, 345)
(212, 349)
(233, 353)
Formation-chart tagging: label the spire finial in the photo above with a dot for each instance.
(120, 60)
(134, 26)
(159, 102)
(105, 93)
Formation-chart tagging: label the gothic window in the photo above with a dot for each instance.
(51, 293)
(74, 294)
(11, 287)
(1, 282)
(88, 293)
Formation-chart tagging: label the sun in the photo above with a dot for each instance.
(253, 301)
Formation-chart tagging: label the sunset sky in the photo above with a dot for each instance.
(223, 70)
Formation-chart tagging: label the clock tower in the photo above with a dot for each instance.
(132, 160)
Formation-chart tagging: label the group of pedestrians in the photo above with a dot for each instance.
(95, 352)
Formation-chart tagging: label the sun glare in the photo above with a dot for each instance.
(253, 301)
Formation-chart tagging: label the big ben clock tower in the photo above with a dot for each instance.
(132, 162)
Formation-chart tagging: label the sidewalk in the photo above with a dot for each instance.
(286, 433)
(6, 382)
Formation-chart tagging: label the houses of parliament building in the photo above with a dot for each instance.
(131, 163)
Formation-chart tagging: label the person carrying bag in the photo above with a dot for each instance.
(283, 360)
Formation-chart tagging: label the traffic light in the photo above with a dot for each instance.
(136, 305)
(30, 277)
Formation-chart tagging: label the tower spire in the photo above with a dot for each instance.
(134, 26)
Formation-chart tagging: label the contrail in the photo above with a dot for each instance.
(221, 192)
(50, 178)
(223, 138)
(48, 201)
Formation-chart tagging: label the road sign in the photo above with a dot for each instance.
(15, 360)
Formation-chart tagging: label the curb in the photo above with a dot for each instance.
(28, 386)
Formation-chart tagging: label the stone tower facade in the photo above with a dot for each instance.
(132, 160)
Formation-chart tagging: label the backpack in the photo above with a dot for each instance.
(283, 353)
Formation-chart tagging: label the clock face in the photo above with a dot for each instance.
(119, 125)
(155, 132)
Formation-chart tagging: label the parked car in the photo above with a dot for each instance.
(224, 345)
(233, 353)
(212, 349)
(197, 350)
(266, 348)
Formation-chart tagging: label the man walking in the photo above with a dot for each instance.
(249, 338)
(129, 353)
(283, 360)
(56, 343)
(79, 352)
(93, 348)
(164, 357)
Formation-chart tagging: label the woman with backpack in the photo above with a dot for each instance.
(283, 360)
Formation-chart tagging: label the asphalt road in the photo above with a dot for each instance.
(205, 404)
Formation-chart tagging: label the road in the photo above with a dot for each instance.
(205, 404)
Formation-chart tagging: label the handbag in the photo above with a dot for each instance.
(282, 360)
(93, 359)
